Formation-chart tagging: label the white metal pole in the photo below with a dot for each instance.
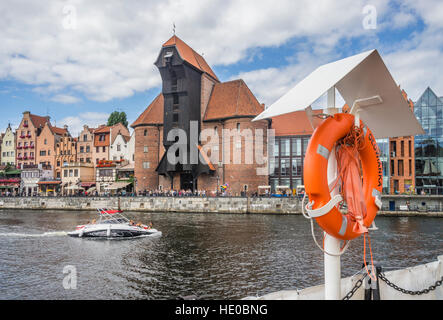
(332, 245)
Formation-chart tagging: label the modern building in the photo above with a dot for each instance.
(26, 138)
(8, 147)
(402, 161)
(292, 134)
(429, 147)
(194, 101)
(65, 153)
(85, 145)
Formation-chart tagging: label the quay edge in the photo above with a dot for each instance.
(431, 206)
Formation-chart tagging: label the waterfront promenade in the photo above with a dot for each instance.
(401, 205)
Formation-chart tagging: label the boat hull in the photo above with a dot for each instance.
(112, 231)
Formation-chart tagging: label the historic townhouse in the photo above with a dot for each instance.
(121, 148)
(8, 147)
(46, 142)
(193, 99)
(65, 153)
(85, 145)
(26, 138)
(104, 136)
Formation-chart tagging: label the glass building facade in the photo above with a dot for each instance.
(429, 147)
(383, 145)
(286, 167)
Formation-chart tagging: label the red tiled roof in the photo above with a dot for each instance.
(294, 123)
(38, 121)
(232, 99)
(188, 54)
(153, 115)
(57, 130)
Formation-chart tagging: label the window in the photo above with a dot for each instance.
(101, 137)
(238, 126)
(49, 152)
(402, 148)
(88, 149)
(145, 149)
(104, 149)
(97, 149)
(45, 141)
(401, 171)
(145, 132)
(410, 148)
(118, 147)
(285, 147)
(145, 165)
(76, 173)
(65, 173)
(85, 137)
(82, 149)
(410, 167)
(296, 147)
(175, 117)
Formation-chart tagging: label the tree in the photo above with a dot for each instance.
(117, 117)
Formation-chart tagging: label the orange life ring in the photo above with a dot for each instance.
(323, 208)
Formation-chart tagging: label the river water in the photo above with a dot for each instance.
(212, 256)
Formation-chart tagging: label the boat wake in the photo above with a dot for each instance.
(35, 235)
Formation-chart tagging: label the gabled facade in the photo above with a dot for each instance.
(46, 142)
(104, 136)
(65, 153)
(120, 148)
(85, 145)
(26, 138)
(8, 155)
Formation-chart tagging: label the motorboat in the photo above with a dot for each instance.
(113, 224)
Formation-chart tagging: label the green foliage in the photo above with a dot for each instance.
(117, 117)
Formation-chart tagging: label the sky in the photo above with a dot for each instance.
(77, 61)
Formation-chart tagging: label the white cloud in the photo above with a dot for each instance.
(75, 123)
(64, 98)
(110, 52)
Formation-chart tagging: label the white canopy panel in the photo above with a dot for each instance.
(358, 78)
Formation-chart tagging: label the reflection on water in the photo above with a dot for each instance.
(214, 256)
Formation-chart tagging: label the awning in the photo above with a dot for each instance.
(49, 182)
(74, 187)
(117, 185)
(87, 184)
(91, 189)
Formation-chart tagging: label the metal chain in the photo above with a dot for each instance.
(357, 285)
(414, 293)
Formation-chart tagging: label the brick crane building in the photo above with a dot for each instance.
(194, 100)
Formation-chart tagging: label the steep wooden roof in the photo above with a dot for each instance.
(153, 115)
(188, 54)
(232, 99)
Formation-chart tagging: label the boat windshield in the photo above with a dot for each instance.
(111, 216)
(114, 221)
